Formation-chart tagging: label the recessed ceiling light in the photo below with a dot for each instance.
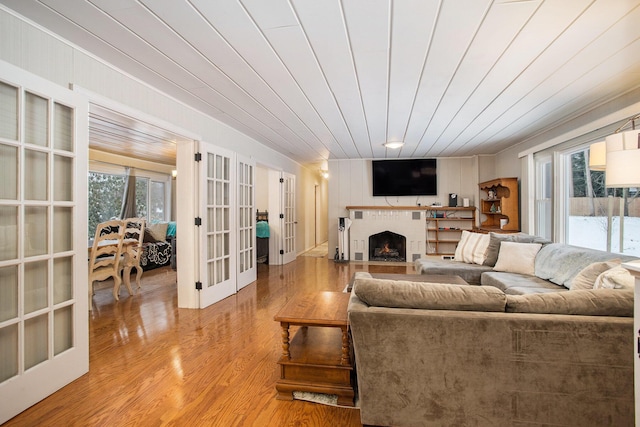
(393, 144)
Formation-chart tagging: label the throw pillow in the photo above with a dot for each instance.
(615, 278)
(517, 257)
(496, 238)
(457, 256)
(472, 248)
(148, 237)
(588, 275)
(158, 231)
(494, 245)
(171, 229)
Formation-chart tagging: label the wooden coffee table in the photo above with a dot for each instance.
(318, 358)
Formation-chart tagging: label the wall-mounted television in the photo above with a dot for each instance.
(411, 177)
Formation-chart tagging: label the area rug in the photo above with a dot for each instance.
(323, 399)
(319, 251)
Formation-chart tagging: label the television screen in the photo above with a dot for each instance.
(412, 177)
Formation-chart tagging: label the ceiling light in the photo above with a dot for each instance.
(393, 144)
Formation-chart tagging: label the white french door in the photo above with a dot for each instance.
(218, 224)
(247, 271)
(288, 220)
(44, 338)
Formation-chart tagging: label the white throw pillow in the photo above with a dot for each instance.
(588, 275)
(517, 257)
(615, 278)
(472, 248)
(457, 256)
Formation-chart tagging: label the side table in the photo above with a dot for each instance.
(319, 357)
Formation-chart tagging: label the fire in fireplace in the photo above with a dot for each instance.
(387, 246)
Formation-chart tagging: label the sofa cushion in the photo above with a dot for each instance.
(158, 231)
(472, 247)
(517, 257)
(560, 263)
(594, 302)
(430, 296)
(527, 290)
(496, 238)
(615, 278)
(355, 276)
(517, 284)
(588, 275)
(469, 272)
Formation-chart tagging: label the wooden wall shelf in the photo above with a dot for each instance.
(500, 201)
(443, 233)
(386, 208)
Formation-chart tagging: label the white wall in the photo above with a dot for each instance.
(262, 189)
(350, 185)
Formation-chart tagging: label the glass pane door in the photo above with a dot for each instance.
(289, 221)
(217, 234)
(43, 313)
(246, 237)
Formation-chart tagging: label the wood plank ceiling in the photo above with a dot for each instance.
(116, 133)
(335, 79)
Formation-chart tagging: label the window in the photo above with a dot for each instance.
(157, 201)
(598, 217)
(142, 197)
(544, 191)
(106, 187)
(105, 198)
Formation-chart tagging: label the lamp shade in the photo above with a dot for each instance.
(598, 156)
(623, 169)
(623, 141)
(623, 158)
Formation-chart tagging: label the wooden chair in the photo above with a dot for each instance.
(132, 249)
(106, 255)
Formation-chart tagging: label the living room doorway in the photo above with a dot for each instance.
(121, 138)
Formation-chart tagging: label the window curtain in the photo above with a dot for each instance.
(128, 209)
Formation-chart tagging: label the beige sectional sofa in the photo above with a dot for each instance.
(449, 355)
(555, 265)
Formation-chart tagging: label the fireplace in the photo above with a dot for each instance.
(405, 230)
(387, 246)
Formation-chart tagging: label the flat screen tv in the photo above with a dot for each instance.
(411, 177)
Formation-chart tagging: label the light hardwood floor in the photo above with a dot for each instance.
(152, 364)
